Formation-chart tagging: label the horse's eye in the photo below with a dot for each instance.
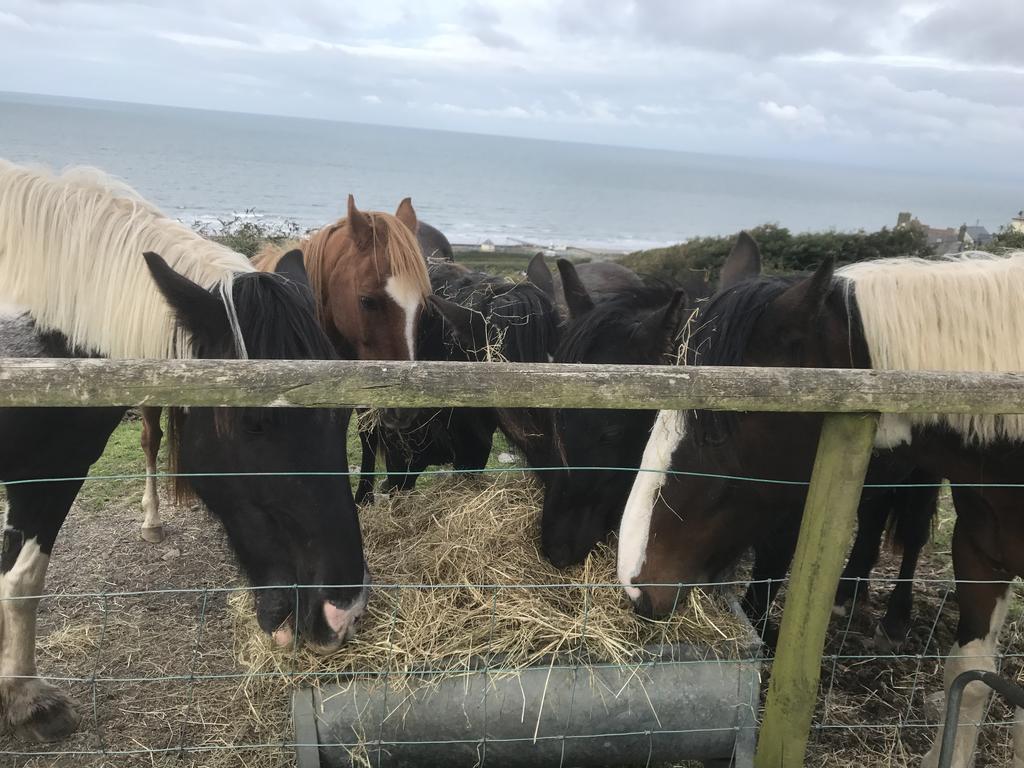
(368, 303)
(254, 428)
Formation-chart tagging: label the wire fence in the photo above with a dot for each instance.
(159, 647)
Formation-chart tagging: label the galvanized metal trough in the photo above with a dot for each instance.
(684, 705)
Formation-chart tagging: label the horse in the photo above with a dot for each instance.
(473, 317)
(80, 270)
(433, 244)
(905, 314)
(369, 284)
(635, 323)
(906, 512)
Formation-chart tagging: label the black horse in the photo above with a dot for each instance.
(284, 530)
(473, 317)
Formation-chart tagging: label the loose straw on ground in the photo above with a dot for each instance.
(511, 609)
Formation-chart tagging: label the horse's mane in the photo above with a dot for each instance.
(71, 253)
(719, 334)
(524, 320)
(962, 313)
(721, 329)
(400, 256)
(277, 323)
(592, 329)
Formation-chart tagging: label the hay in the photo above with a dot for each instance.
(487, 597)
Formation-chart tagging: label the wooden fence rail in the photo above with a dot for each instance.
(854, 398)
(98, 382)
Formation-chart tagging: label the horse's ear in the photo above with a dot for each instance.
(743, 262)
(539, 274)
(359, 223)
(293, 267)
(197, 310)
(407, 214)
(469, 326)
(576, 296)
(809, 295)
(663, 325)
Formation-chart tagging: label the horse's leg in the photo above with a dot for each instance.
(915, 508)
(34, 709)
(473, 436)
(871, 518)
(152, 525)
(368, 441)
(983, 609)
(771, 561)
(60, 443)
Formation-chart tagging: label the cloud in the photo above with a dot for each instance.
(802, 118)
(879, 81)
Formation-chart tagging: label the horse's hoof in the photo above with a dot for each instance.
(889, 642)
(154, 534)
(42, 713)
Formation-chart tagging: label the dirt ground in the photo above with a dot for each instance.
(162, 647)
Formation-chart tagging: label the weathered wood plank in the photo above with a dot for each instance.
(40, 382)
(830, 514)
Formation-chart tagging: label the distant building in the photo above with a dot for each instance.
(487, 246)
(1017, 222)
(974, 237)
(943, 241)
(904, 220)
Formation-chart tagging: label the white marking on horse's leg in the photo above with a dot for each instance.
(18, 588)
(1018, 738)
(152, 525)
(407, 295)
(666, 435)
(977, 654)
(33, 707)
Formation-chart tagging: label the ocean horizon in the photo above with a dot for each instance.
(203, 167)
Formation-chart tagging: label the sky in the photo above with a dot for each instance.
(916, 84)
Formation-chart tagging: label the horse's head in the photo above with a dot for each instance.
(372, 280)
(582, 506)
(688, 518)
(286, 530)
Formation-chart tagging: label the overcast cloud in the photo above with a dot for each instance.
(901, 83)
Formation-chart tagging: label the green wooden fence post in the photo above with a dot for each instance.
(844, 450)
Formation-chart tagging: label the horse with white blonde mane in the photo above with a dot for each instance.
(370, 285)
(80, 275)
(959, 314)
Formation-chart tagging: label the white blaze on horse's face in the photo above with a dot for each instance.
(635, 529)
(407, 295)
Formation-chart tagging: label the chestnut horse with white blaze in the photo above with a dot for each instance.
(370, 286)
(959, 314)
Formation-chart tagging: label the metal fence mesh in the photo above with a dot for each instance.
(150, 642)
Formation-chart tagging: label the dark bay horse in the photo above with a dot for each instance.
(633, 323)
(958, 314)
(906, 512)
(73, 271)
(473, 317)
(369, 284)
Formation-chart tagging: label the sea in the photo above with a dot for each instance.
(204, 167)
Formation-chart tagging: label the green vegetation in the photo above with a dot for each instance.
(781, 250)
(1005, 239)
(495, 262)
(122, 456)
(247, 236)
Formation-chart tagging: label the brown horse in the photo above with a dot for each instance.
(370, 284)
(957, 314)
